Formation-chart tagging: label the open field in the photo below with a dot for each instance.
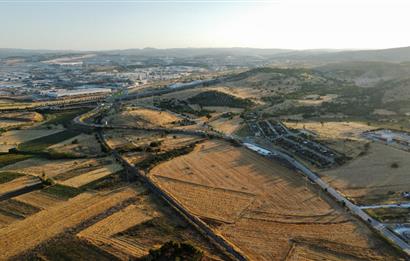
(103, 233)
(371, 179)
(333, 130)
(142, 117)
(61, 169)
(18, 183)
(17, 209)
(91, 176)
(80, 145)
(16, 137)
(344, 137)
(390, 215)
(39, 199)
(19, 119)
(50, 168)
(141, 140)
(227, 125)
(26, 234)
(276, 205)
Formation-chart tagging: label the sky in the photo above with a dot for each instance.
(125, 24)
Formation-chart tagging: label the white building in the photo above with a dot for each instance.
(77, 92)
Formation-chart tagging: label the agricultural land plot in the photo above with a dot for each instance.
(18, 183)
(17, 209)
(88, 177)
(49, 168)
(16, 137)
(264, 206)
(344, 137)
(39, 199)
(103, 233)
(144, 225)
(144, 118)
(42, 143)
(378, 177)
(390, 215)
(19, 119)
(22, 236)
(81, 145)
(227, 125)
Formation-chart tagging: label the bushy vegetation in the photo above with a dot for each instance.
(174, 251)
(63, 117)
(157, 158)
(8, 176)
(215, 98)
(38, 145)
(10, 158)
(181, 107)
(62, 191)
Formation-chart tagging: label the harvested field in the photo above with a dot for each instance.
(93, 175)
(6, 220)
(39, 199)
(226, 125)
(81, 145)
(8, 176)
(333, 130)
(10, 158)
(142, 117)
(371, 179)
(283, 206)
(17, 209)
(217, 200)
(103, 233)
(16, 137)
(28, 233)
(56, 168)
(144, 225)
(19, 119)
(18, 183)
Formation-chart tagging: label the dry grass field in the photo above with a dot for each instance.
(143, 117)
(19, 119)
(81, 145)
(88, 177)
(264, 207)
(16, 137)
(50, 168)
(370, 179)
(146, 224)
(18, 183)
(103, 233)
(226, 125)
(344, 137)
(39, 199)
(24, 235)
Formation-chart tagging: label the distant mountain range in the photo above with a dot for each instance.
(314, 56)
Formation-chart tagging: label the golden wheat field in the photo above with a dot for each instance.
(279, 206)
(26, 234)
(92, 175)
(18, 183)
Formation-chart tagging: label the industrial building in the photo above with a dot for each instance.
(77, 92)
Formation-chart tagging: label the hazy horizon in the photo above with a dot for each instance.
(86, 25)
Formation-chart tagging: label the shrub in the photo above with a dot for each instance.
(394, 165)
